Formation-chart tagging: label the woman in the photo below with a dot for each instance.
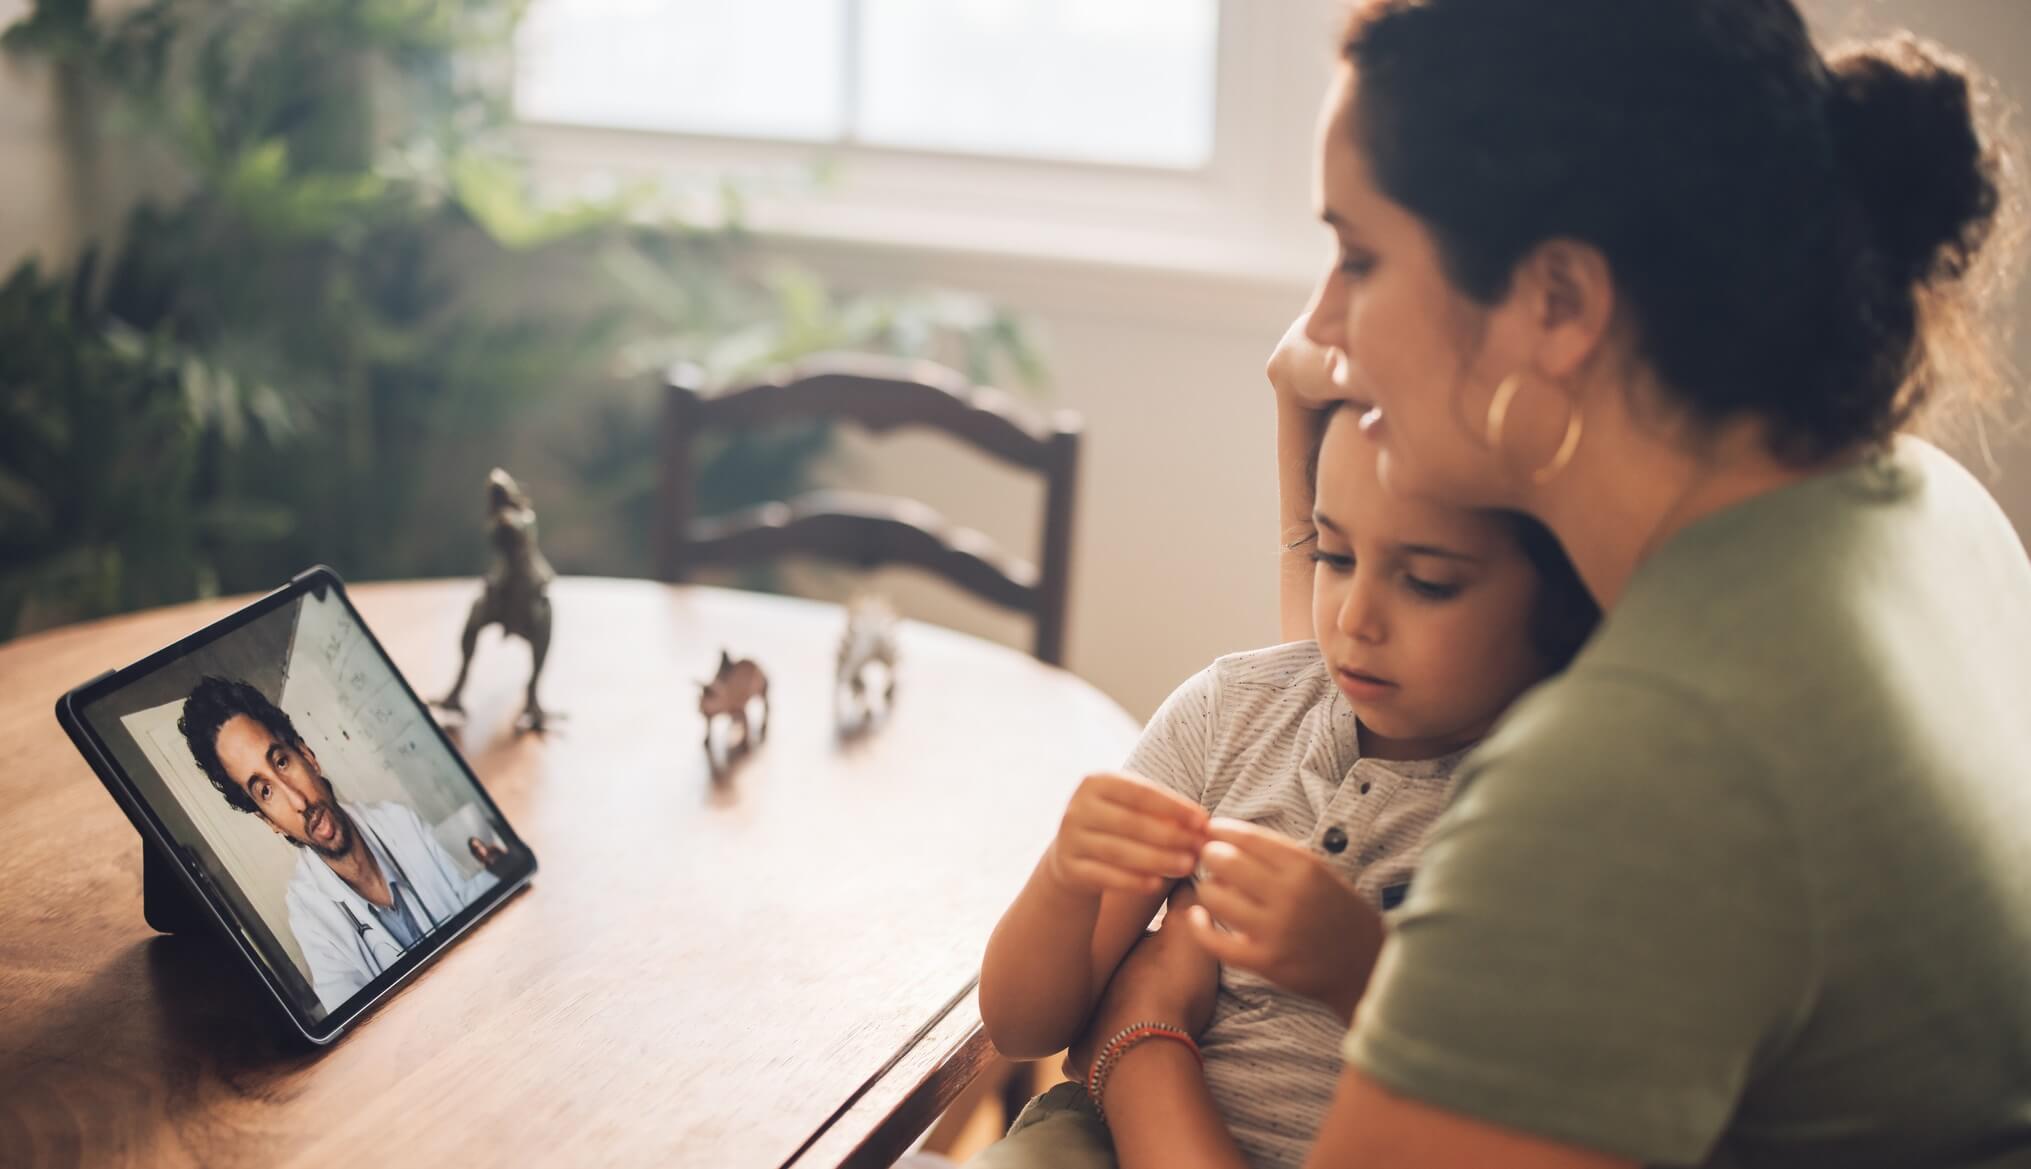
(1749, 884)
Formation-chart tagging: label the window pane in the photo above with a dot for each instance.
(1126, 81)
(766, 68)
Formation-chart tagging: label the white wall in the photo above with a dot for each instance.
(1174, 557)
(35, 215)
(1995, 36)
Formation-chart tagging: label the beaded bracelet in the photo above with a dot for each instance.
(1118, 1045)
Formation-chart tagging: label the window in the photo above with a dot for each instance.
(1170, 137)
(1097, 81)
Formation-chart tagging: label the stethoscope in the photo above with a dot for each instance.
(415, 895)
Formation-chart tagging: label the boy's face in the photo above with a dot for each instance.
(285, 784)
(1422, 611)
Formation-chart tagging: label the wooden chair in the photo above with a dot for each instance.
(881, 395)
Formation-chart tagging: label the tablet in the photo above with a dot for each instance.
(293, 793)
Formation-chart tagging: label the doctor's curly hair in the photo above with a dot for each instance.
(212, 704)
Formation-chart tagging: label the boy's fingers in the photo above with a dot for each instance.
(1260, 843)
(1133, 855)
(1230, 948)
(1106, 876)
(1143, 796)
(1231, 906)
(1156, 831)
(1229, 865)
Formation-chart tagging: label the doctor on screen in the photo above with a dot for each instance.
(370, 879)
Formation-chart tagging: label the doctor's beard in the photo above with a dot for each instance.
(342, 834)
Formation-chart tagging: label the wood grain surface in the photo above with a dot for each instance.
(767, 971)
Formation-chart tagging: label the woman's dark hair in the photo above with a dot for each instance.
(212, 704)
(1564, 614)
(1794, 236)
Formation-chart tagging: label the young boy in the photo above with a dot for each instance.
(1335, 755)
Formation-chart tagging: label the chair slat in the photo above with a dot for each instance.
(880, 395)
(867, 531)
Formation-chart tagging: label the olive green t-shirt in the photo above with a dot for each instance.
(1750, 884)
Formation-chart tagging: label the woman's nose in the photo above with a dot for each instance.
(1326, 315)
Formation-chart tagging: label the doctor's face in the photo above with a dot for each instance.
(284, 782)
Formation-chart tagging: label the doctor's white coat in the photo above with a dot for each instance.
(343, 957)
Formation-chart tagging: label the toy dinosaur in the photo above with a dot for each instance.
(869, 648)
(727, 695)
(517, 593)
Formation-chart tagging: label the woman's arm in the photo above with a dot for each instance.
(1296, 435)
(1162, 1115)
(1370, 1127)
(1156, 1101)
(1304, 386)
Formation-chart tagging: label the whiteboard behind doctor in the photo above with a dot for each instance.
(370, 879)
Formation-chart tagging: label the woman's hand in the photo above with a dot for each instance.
(1126, 834)
(1167, 978)
(1283, 913)
(1301, 372)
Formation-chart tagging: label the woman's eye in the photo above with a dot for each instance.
(1336, 563)
(1355, 264)
(1432, 590)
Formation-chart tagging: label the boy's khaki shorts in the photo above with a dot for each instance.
(1057, 1130)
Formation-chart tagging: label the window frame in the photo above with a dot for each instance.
(1245, 212)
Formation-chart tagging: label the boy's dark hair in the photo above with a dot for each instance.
(1565, 614)
(212, 704)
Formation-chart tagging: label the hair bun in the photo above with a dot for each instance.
(1904, 126)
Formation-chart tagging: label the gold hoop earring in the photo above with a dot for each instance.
(1498, 410)
(1498, 419)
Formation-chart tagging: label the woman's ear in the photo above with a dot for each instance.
(1571, 298)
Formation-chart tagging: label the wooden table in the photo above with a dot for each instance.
(773, 972)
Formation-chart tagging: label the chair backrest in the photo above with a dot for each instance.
(880, 395)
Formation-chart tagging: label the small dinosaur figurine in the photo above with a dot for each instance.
(517, 593)
(728, 693)
(870, 642)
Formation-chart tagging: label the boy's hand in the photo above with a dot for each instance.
(1286, 916)
(1126, 834)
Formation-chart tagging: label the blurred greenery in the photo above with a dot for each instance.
(332, 301)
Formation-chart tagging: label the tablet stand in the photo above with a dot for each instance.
(165, 904)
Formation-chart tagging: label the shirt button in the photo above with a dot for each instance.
(1364, 789)
(1335, 839)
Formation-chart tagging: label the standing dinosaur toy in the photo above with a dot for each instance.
(517, 594)
(727, 695)
(867, 656)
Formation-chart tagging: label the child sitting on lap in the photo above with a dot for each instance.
(1325, 763)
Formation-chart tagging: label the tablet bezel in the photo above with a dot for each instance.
(70, 708)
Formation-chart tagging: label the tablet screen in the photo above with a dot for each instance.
(310, 794)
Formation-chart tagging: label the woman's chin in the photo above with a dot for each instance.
(1395, 477)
